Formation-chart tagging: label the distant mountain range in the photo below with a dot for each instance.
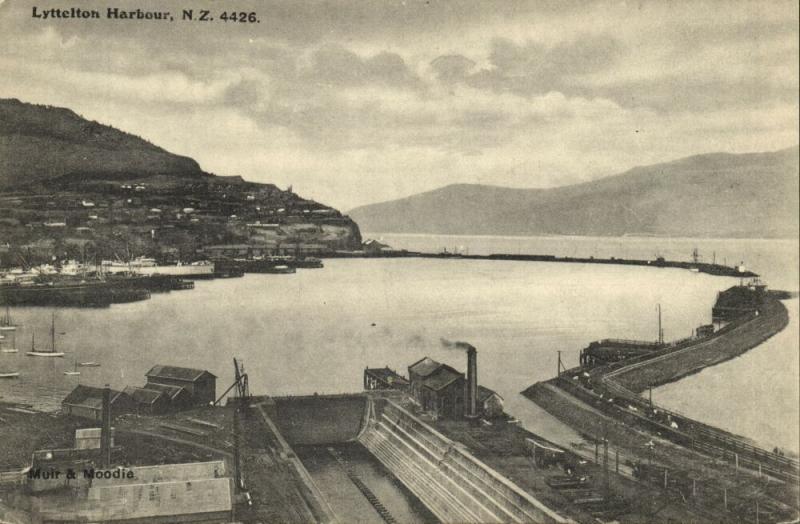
(712, 195)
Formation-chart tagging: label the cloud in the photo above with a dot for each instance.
(532, 68)
(336, 65)
(356, 101)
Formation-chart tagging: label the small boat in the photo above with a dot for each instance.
(9, 374)
(44, 353)
(11, 349)
(6, 323)
(91, 364)
(74, 372)
(280, 269)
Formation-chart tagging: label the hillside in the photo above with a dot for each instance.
(713, 195)
(40, 143)
(71, 187)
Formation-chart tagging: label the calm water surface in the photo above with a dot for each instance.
(317, 330)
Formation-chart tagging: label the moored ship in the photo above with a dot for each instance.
(149, 267)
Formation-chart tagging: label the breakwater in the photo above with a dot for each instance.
(613, 390)
(701, 267)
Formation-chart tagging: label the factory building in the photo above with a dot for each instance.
(437, 388)
(444, 392)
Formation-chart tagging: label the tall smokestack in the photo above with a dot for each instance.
(105, 430)
(472, 382)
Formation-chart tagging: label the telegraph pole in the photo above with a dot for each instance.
(558, 372)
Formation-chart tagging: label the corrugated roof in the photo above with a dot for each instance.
(177, 373)
(142, 395)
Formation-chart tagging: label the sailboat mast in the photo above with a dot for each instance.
(53, 333)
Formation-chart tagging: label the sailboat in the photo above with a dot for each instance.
(52, 353)
(5, 323)
(75, 371)
(4, 373)
(12, 349)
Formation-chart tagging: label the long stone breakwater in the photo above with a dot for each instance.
(701, 267)
(614, 389)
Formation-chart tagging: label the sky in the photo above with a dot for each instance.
(354, 102)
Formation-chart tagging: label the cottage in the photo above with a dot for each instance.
(200, 384)
(87, 402)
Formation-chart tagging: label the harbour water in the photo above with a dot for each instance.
(316, 330)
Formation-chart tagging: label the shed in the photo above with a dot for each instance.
(490, 403)
(179, 397)
(384, 378)
(148, 401)
(199, 383)
(87, 402)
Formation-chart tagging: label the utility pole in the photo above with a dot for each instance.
(660, 330)
(558, 372)
(605, 457)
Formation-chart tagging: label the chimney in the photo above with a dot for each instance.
(472, 383)
(105, 430)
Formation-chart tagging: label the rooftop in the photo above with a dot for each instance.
(177, 373)
(172, 391)
(388, 375)
(87, 396)
(442, 377)
(424, 367)
(143, 395)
